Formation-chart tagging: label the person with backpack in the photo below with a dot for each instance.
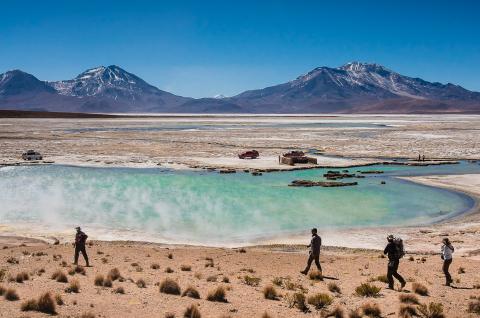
(447, 251)
(395, 252)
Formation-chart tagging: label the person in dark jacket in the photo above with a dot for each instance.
(393, 261)
(314, 246)
(80, 240)
(447, 251)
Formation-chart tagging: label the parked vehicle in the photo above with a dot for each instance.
(251, 154)
(31, 155)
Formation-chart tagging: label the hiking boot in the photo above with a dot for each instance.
(402, 285)
(304, 272)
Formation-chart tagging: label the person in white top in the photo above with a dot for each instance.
(447, 251)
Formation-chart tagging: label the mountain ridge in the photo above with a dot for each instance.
(354, 87)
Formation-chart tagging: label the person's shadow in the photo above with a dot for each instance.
(329, 277)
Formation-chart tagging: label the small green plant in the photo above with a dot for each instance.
(218, 295)
(367, 290)
(269, 292)
(320, 300)
(420, 289)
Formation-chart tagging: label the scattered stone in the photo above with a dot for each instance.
(327, 184)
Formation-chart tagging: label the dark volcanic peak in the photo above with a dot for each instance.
(16, 82)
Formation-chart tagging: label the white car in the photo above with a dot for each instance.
(31, 155)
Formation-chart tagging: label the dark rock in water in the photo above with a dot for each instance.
(227, 171)
(359, 177)
(256, 173)
(334, 175)
(383, 182)
(345, 171)
(372, 172)
(246, 170)
(327, 184)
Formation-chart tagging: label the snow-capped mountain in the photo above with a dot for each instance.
(358, 87)
(352, 88)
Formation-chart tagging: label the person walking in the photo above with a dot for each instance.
(314, 246)
(447, 251)
(80, 240)
(394, 254)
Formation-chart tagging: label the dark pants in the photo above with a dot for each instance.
(82, 249)
(312, 258)
(392, 272)
(446, 266)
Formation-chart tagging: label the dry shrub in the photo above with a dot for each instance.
(212, 278)
(367, 290)
(408, 299)
(71, 271)
(192, 312)
(191, 292)
(170, 255)
(2, 290)
(60, 276)
(141, 283)
(22, 276)
(169, 270)
(169, 315)
(461, 270)
(320, 300)
(155, 266)
(46, 304)
(225, 280)
(80, 270)
(337, 312)
(277, 281)
(74, 287)
(11, 295)
(169, 286)
(99, 280)
(407, 311)
(119, 290)
(59, 299)
(433, 310)
(334, 288)
(251, 280)
(380, 278)
(297, 300)
(266, 315)
(420, 289)
(474, 306)
(269, 292)
(218, 295)
(12, 260)
(315, 275)
(29, 305)
(114, 274)
(371, 310)
(186, 268)
(107, 282)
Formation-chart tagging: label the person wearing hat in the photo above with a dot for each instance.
(314, 246)
(393, 261)
(447, 251)
(80, 240)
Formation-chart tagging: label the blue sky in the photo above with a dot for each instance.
(204, 48)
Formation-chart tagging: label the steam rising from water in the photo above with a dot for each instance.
(207, 208)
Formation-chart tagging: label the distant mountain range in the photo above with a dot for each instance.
(352, 88)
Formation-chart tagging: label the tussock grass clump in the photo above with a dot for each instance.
(337, 312)
(371, 310)
(80, 270)
(269, 292)
(71, 271)
(218, 295)
(114, 274)
(320, 300)
(315, 275)
(334, 288)
(169, 286)
(46, 304)
(170, 255)
(297, 300)
(99, 280)
(192, 312)
(242, 250)
(169, 270)
(21, 277)
(119, 290)
(60, 276)
(29, 305)
(2, 290)
(251, 280)
(266, 315)
(212, 278)
(154, 266)
(278, 281)
(225, 280)
(3, 272)
(367, 290)
(59, 300)
(407, 311)
(461, 270)
(380, 278)
(191, 292)
(107, 282)
(74, 287)
(12, 260)
(11, 295)
(408, 299)
(185, 268)
(141, 283)
(432, 310)
(169, 315)
(420, 289)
